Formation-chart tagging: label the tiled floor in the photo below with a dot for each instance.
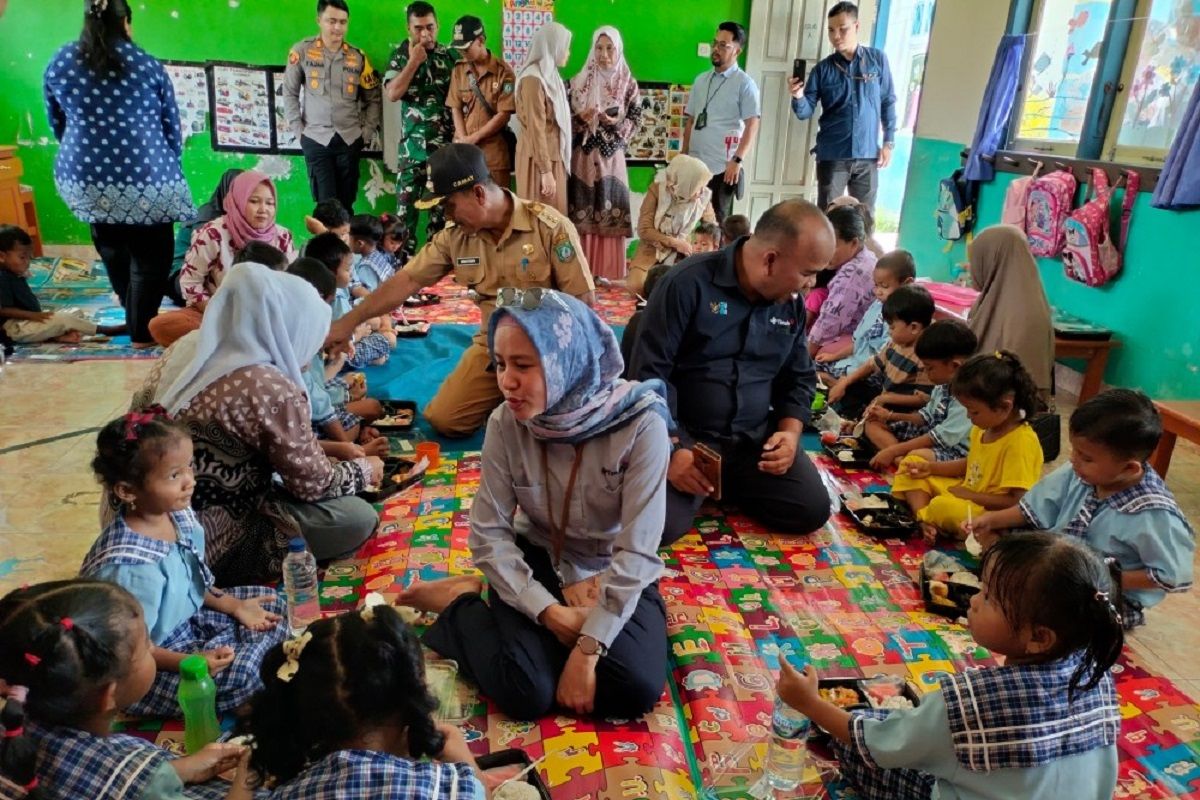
(48, 496)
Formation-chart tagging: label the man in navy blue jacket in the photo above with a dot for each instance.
(853, 84)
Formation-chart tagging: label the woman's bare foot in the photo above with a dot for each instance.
(434, 596)
(70, 337)
(930, 532)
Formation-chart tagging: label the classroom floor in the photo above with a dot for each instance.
(48, 496)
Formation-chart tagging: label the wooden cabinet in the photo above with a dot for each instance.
(16, 201)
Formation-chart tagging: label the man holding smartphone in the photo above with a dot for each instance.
(854, 87)
(723, 112)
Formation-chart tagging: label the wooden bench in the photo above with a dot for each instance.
(1179, 418)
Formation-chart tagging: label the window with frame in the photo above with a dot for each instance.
(1072, 57)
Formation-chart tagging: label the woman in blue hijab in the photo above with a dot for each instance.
(566, 524)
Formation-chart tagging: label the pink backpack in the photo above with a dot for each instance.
(1091, 256)
(1050, 200)
(1016, 199)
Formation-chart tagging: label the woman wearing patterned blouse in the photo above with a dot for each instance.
(606, 110)
(113, 110)
(237, 385)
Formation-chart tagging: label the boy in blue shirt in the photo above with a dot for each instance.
(372, 266)
(892, 271)
(941, 426)
(1112, 499)
(375, 338)
(336, 426)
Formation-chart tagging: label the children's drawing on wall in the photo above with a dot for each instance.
(1065, 60)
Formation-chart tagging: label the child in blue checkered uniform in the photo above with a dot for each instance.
(372, 266)
(338, 427)
(941, 429)
(154, 548)
(1109, 497)
(892, 271)
(72, 653)
(1044, 725)
(346, 714)
(375, 338)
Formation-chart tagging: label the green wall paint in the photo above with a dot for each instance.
(261, 31)
(1151, 306)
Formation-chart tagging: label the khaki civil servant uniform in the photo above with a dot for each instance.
(497, 83)
(540, 249)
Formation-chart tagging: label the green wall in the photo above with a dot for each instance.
(261, 31)
(1151, 306)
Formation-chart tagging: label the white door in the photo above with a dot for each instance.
(781, 165)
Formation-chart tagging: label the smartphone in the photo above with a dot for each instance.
(798, 69)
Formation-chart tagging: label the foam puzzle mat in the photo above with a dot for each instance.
(737, 599)
(70, 283)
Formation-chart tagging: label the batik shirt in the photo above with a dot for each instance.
(120, 140)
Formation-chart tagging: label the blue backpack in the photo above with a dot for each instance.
(955, 214)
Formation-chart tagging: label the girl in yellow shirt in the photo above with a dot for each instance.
(1004, 458)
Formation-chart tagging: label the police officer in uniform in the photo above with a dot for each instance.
(419, 75)
(342, 104)
(481, 98)
(497, 240)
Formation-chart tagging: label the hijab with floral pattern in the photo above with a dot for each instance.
(582, 364)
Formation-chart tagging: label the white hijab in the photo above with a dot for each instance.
(602, 89)
(258, 316)
(549, 46)
(677, 213)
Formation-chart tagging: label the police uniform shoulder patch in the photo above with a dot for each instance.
(508, 88)
(564, 251)
(293, 56)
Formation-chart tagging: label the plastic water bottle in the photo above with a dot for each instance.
(198, 701)
(788, 750)
(300, 584)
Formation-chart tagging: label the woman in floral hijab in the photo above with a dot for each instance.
(566, 525)
(606, 112)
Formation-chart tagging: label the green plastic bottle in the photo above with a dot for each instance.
(198, 701)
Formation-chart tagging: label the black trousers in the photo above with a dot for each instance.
(333, 169)
(858, 175)
(516, 662)
(138, 259)
(723, 195)
(794, 502)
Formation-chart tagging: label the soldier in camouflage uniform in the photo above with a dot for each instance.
(419, 76)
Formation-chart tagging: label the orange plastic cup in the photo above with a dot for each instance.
(432, 451)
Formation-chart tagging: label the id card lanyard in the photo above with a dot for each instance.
(702, 117)
(558, 531)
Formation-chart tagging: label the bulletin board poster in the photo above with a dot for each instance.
(286, 141)
(522, 18)
(660, 137)
(190, 82)
(242, 106)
